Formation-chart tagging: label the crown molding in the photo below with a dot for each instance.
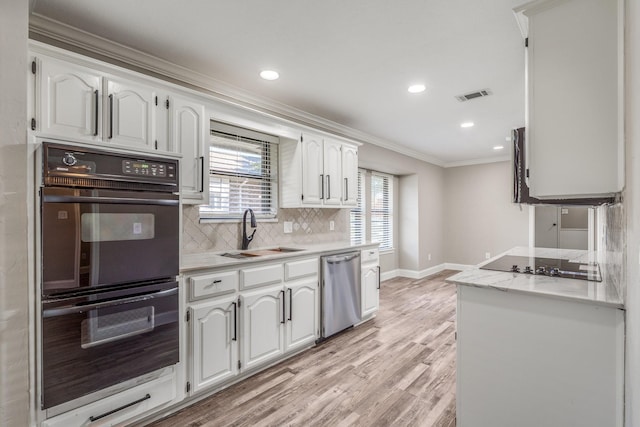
(476, 162)
(49, 29)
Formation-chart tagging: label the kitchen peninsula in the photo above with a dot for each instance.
(536, 350)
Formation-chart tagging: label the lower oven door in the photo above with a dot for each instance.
(97, 238)
(96, 341)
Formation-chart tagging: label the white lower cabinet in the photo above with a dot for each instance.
(370, 284)
(253, 316)
(214, 342)
(263, 314)
(302, 314)
(121, 408)
(529, 361)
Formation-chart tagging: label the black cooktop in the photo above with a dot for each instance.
(546, 266)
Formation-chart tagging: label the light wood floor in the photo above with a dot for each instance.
(395, 370)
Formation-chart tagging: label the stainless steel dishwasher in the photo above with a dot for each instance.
(340, 292)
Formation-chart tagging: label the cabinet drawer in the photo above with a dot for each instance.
(302, 268)
(209, 285)
(260, 276)
(369, 255)
(141, 399)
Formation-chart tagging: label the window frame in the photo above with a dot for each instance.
(269, 151)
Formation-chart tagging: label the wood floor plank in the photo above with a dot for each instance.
(395, 370)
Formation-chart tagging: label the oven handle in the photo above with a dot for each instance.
(48, 198)
(73, 309)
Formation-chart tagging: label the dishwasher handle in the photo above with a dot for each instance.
(338, 259)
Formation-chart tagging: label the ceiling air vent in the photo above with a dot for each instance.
(473, 95)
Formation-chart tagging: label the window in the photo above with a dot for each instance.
(357, 217)
(242, 173)
(372, 219)
(381, 210)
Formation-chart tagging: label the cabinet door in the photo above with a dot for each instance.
(349, 175)
(575, 134)
(370, 290)
(68, 100)
(302, 313)
(189, 129)
(263, 319)
(130, 114)
(332, 172)
(312, 170)
(162, 125)
(214, 345)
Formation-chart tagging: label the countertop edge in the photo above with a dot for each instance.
(216, 260)
(608, 304)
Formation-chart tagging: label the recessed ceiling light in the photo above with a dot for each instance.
(498, 147)
(269, 74)
(466, 124)
(416, 88)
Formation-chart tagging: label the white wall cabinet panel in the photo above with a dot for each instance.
(302, 314)
(312, 172)
(262, 319)
(349, 175)
(68, 100)
(214, 343)
(332, 173)
(130, 114)
(575, 102)
(189, 131)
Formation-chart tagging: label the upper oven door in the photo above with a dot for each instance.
(94, 238)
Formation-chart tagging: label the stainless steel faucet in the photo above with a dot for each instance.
(247, 239)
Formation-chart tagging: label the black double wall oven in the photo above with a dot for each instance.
(109, 255)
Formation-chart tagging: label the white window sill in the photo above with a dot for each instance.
(233, 220)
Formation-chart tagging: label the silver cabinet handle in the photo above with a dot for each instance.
(379, 274)
(95, 117)
(321, 187)
(346, 189)
(328, 187)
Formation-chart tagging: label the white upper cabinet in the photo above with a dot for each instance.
(130, 113)
(312, 172)
(349, 175)
(332, 172)
(575, 142)
(68, 100)
(189, 125)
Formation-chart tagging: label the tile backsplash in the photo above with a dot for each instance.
(309, 226)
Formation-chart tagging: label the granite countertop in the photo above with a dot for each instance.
(206, 260)
(600, 293)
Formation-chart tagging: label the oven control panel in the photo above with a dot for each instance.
(78, 166)
(143, 168)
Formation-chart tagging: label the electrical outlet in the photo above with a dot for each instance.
(429, 257)
(332, 225)
(288, 226)
(487, 255)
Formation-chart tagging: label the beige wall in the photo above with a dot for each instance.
(14, 285)
(419, 208)
(480, 216)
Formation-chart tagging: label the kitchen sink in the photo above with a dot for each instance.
(259, 252)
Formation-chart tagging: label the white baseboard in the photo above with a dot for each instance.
(459, 267)
(413, 274)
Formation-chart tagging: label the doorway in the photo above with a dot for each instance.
(564, 227)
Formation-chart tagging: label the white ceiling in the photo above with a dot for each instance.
(347, 61)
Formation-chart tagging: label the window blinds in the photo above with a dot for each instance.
(381, 210)
(242, 174)
(357, 217)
